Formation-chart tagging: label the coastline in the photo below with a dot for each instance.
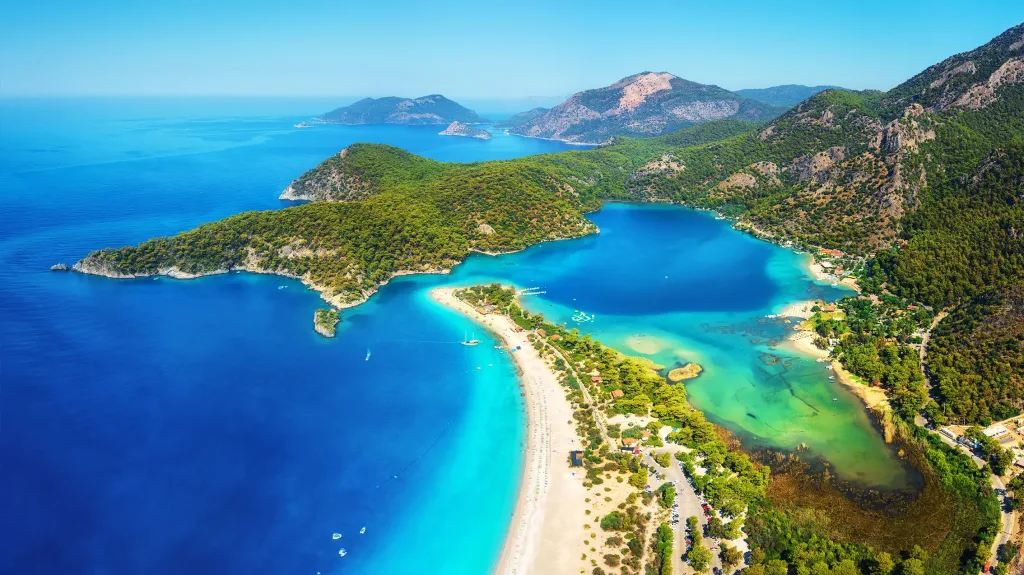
(802, 341)
(545, 534)
(85, 267)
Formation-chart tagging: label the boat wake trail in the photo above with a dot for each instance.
(418, 457)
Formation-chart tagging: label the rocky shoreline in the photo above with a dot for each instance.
(88, 267)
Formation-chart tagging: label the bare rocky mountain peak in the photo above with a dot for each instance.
(642, 105)
(636, 91)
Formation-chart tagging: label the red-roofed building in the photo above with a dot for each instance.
(596, 379)
(617, 393)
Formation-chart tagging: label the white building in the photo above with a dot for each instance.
(995, 430)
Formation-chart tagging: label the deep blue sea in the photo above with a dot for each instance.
(159, 426)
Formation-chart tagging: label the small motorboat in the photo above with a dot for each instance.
(363, 530)
(835, 399)
(342, 552)
(336, 536)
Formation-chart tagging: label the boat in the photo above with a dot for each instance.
(363, 530)
(468, 341)
(302, 125)
(342, 552)
(367, 354)
(336, 536)
(831, 377)
(835, 399)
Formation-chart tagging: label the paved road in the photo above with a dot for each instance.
(689, 505)
(1009, 516)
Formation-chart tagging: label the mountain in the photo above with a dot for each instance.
(521, 118)
(434, 109)
(785, 96)
(843, 168)
(925, 182)
(644, 105)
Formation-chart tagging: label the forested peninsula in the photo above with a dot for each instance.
(917, 189)
(922, 183)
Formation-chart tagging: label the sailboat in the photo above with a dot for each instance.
(468, 341)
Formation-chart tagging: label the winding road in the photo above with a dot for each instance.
(1008, 515)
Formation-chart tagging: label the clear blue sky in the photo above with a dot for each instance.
(478, 50)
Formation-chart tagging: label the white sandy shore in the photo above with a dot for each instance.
(546, 533)
(800, 309)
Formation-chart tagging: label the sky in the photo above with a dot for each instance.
(472, 50)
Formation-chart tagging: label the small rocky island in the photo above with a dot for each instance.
(324, 321)
(688, 371)
(459, 129)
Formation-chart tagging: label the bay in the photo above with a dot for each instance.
(165, 426)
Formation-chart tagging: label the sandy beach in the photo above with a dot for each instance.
(803, 342)
(800, 309)
(546, 532)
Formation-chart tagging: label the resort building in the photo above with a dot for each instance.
(575, 459)
(617, 393)
(997, 430)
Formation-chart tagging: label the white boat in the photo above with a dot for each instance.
(367, 354)
(363, 530)
(468, 341)
(336, 536)
(342, 552)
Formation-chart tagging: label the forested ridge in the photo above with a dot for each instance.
(924, 180)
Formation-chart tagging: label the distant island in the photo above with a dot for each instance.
(433, 109)
(643, 105)
(460, 129)
(785, 96)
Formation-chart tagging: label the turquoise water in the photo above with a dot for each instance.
(166, 427)
(677, 286)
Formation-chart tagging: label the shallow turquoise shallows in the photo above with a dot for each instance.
(161, 426)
